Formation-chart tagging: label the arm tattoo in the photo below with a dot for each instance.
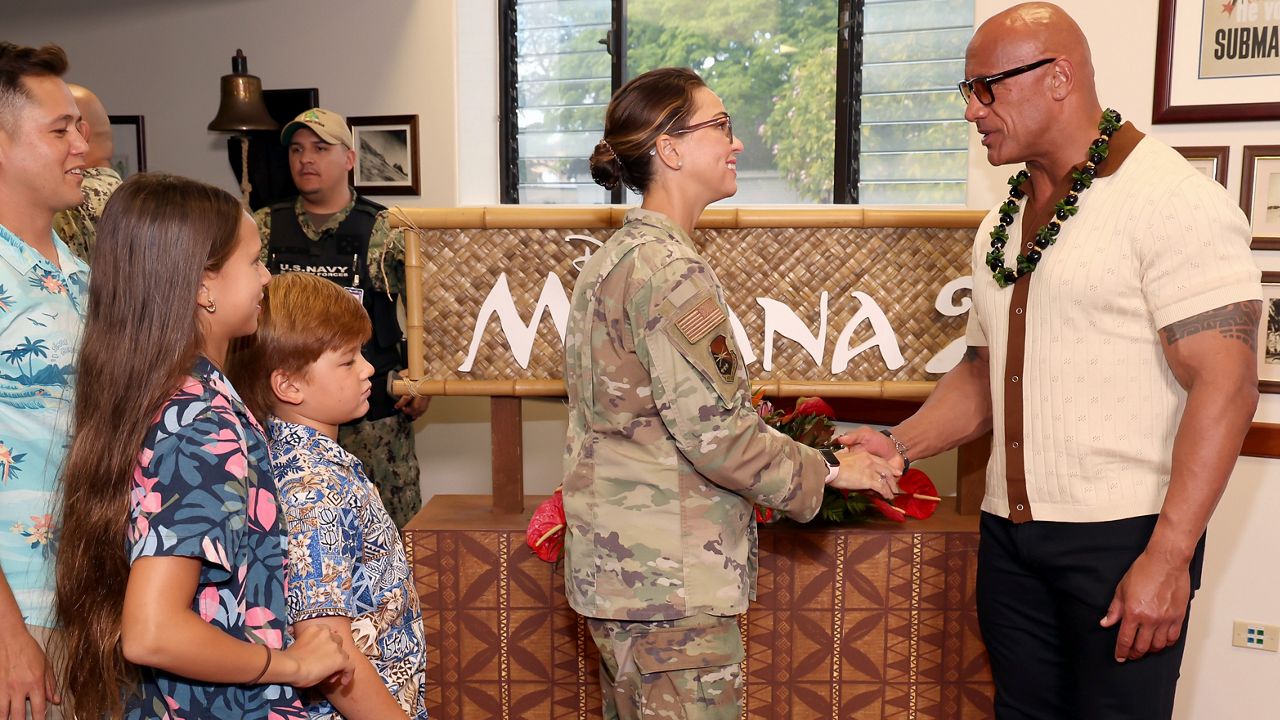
(1238, 321)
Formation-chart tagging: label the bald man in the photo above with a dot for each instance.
(1112, 347)
(77, 226)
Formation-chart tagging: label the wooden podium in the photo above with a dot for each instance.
(868, 621)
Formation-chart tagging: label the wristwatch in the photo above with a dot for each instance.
(830, 456)
(902, 449)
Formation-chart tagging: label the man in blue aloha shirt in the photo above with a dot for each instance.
(43, 290)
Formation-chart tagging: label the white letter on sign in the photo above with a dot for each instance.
(520, 336)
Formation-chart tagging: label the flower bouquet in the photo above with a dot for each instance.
(811, 423)
(545, 534)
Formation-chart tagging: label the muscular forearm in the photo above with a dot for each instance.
(957, 411)
(1217, 416)
(1212, 355)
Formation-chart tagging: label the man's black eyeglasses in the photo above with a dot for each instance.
(980, 87)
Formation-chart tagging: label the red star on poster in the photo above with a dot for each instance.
(1228, 7)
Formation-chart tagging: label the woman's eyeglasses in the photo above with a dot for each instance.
(980, 87)
(724, 122)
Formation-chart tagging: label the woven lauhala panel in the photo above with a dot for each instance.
(849, 623)
(901, 269)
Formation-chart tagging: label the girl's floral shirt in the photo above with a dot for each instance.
(203, 489)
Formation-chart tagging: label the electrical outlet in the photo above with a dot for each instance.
(1255, 636)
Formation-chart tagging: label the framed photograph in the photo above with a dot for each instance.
(1269, 335)
(128, 135)
(1215, 62)
(386, 154)
(1260, 194)
(1210, 161)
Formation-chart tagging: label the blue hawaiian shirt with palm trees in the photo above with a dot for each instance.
(42, 309)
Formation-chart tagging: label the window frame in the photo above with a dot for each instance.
(848, 106)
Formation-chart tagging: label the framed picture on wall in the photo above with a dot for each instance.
(1269, 336)
(1211, 161)
(129, 138)
(1260, 194)
(1211, 65)
(386, 154)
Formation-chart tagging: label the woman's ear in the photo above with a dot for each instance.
(285, 388)
(668, 153)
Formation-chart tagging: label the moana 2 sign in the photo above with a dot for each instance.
(1217, 60)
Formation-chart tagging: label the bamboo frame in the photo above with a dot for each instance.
(610, 216)
(508, 485)
(607, 216)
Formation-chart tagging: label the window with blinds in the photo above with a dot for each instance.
(774, 63)
(913, 136)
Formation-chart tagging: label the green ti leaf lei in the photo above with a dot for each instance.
(1064, 209)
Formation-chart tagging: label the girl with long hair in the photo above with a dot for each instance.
(170, 572)
(665, 454)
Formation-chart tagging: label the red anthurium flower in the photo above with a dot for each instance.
(545, 534)
(890, 511)
(814, 406)
(915, 482)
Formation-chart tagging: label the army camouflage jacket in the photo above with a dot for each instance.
(665, 454)
(78, 226)
(386, 247)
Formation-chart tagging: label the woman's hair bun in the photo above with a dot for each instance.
(606, 168)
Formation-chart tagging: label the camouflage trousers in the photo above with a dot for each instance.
(385, 448)
(686, 669)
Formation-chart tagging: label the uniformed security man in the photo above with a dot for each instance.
(332, 232)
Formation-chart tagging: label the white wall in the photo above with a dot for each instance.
(163, 59)
(438, 59)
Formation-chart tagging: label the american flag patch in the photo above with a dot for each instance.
(701, 320)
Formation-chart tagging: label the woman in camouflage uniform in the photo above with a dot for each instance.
(665, 454)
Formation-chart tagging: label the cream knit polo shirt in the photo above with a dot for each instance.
(1154, 242)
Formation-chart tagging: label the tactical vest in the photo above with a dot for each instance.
(341, 254)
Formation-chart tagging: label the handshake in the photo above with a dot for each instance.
(870, 461)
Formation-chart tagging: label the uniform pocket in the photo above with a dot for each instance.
(689, 648)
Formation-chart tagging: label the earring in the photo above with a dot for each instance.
(211, 308)
(679, 165)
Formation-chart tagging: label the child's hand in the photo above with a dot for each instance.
(318, 655)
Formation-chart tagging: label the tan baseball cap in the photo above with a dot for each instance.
(329, 125)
